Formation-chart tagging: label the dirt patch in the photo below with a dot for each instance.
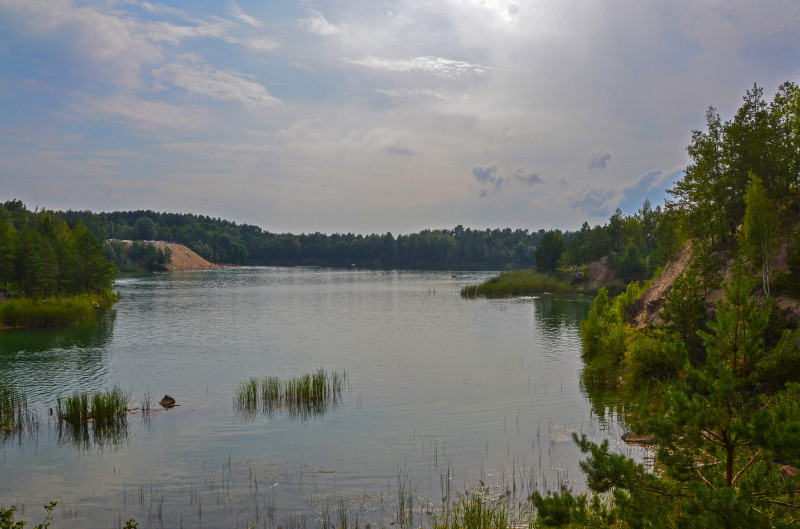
(600, 275)
(183, 258)
(647, 309)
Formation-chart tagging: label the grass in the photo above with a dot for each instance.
(475, 510)
(103, 408)
(14, 412)
(304, 396)
(520, 283)
(53, 312)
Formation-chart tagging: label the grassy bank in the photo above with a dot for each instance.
(52, 312)
(521, 283)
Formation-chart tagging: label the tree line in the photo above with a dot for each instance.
(42, 256)
(627, 241)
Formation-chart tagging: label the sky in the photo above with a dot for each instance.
(370, 116)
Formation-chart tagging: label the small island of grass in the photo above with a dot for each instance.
(522, 283)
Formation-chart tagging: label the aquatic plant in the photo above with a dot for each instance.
(475, 510)
(107, 407)
(520, 283)
(54, 312)
(14, 412)
(304, 396)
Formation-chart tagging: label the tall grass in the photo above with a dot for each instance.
(520, 283)
(14, 412)
(103, 408)
(55, 312)
(304, 396)
(475, 510)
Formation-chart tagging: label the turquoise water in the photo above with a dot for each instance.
(444, 394)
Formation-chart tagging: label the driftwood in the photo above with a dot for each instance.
(645, 439)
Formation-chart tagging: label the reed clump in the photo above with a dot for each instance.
(475, 510)
(54, 312)
(304, 396)
(103, 409)
(14, 412)
(521, 283)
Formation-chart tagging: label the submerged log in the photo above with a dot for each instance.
(645, 439)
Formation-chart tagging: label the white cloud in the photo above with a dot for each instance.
(215, 84)
(318, 25)
(435, 65)
(239, 14)
(146, 116)
(256, 43)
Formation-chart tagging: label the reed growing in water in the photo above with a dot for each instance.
(520, 283)
(14, 412)
(103, 408)
(304, 396)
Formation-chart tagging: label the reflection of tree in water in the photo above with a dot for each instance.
(602, 387)
(46, 362)
(556, 313)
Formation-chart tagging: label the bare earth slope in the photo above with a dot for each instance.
(647, 308)
(183, 258)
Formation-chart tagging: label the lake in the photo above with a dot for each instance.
(443, 395)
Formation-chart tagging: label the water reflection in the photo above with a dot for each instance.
(84, 436)
(556, 313)
(59, 360)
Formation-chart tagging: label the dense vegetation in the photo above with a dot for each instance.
(717, 386)
(628, 242)
(57, 273)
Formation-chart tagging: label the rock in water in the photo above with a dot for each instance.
(167, 401)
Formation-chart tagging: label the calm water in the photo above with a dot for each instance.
(444, 394)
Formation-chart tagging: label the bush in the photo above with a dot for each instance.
(649, 358)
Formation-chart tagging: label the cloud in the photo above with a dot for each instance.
(596, 202)
(428, 64)
(318, 25)
(496, 175)
(416, 93)
(598, 160)
(256, 43)
(526, 176)
(150, 117)
(400, 150)
(239, 14)
(197, 78)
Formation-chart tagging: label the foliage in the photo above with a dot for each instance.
(758, 229)
(519, 283)
(7, 517)
(549, 251)
(761, 139)
(721, 422)
(40, 256)
(652, 358)
(53, 312)
(685, 312)
(139, 255)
